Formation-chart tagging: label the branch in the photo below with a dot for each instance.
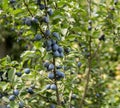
(87, 78)
(55, 81)
(28, 8)
(32, 16)
(89, 62)
(45, 3)
(95, 53)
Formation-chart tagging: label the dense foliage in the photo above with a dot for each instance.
(71, 54)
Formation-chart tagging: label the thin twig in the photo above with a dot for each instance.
(32, 16)
(55, 81)
(70, 99)
(46, 8)
(28, 8)
(89, 63)
(95, 53)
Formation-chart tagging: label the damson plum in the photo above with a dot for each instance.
(34, 20)
(51, 76)
(37, 37)
(45, 19)
(38, 2)
(16, 92)
(102, 37)
(55, 47)
(48, 42)
(47, 86)
(55, 34)
(42, 6)
(46, 64)
(48, 48)
(47, 33)
(89, 28)
(60, 49)
(73, 96)
(21, 104)
(12, 1)
(50, 12)
(50, 67)
(19, 74)
(53, 87)
(61, 54)
(52, 106)
(27, 70)
(30, 90)
(12, 97)
(28, 21)
(79, 64)
(60, 74)
(56, 53)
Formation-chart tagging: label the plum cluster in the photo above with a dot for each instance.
(13, 96)
(52, 45)
(30, 21)
(50, 67)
